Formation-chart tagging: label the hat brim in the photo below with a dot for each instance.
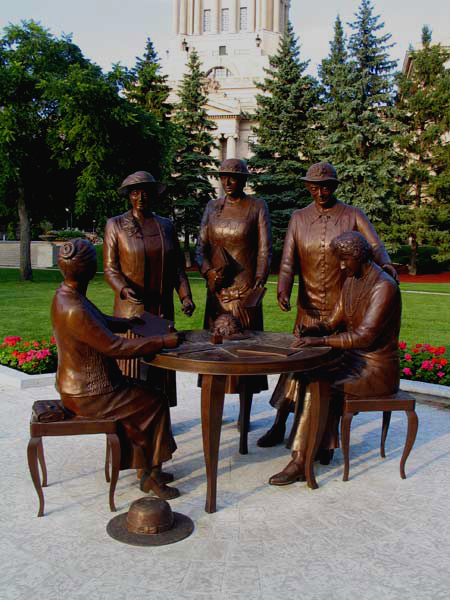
(182, 528)
(160, 187)
(307, 180)
(235, 173)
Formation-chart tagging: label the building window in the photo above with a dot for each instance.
(206, 20)
(222, 50)
(225, 19)
(243, 19)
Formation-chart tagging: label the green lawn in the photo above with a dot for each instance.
(25, 307)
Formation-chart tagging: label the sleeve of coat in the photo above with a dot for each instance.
(288, 260)
(264, 243)
(90, 327)
(182, 286)
(365, 227)
(202, 250)
(380, 305)
(111, 261)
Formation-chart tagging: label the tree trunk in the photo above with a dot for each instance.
(187, 251)
(26, 274)
(412, 267)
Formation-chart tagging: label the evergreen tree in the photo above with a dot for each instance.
(284, 135)
(191, 187)
(147, 86)
(360, 116)
(424, 104)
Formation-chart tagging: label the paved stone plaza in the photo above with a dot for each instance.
(375, 537)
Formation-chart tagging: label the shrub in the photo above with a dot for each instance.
(424, 362)
(32, 357)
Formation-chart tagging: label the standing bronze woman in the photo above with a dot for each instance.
(233, 253)
(143, 264)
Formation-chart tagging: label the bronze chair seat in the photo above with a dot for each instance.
(399, 401)
(72, 425)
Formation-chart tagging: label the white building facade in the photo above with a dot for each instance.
(234, 39)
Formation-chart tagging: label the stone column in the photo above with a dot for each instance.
(234, 9)
(231, 146)
(197, 17)
(175, 17)
(264, 14)
(251, 15)
(276, 15)
(215, 17)
(183, 17)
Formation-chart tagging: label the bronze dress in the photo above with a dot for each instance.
(307, 252)
(91, 384)
(148, 259)
(370, 311)
(241, 230)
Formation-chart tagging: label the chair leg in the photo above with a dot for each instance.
(413, 423)
(384, 430)
(33, 455)
(345, 440)
(245, 400)
(114, 444)
(41, 459)
(107, 457)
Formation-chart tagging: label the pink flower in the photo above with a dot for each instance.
(402, 345)
(407, 371)
(440, 374)
(407, 357)
(427, 365)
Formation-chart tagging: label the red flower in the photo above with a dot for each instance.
(407, 357)
(415, 350)
(443, 362)
(402, 345)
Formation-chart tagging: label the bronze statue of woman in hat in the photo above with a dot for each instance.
(307, 252)
(234, 250)
(144, 265)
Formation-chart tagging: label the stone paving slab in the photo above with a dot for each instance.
(376, 536)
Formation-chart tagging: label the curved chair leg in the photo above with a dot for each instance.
(245, 400)
(345, 439)
(114, 444)
(41, 459)
(33, 453)
(107, 460)
(413, 423)
(384, 430)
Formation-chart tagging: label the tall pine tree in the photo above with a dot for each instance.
(191, 187)
(284, 135)
(424, 104)
(361, 105)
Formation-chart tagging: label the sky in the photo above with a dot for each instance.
(115, 31)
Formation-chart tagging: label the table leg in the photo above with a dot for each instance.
(320, 401)
(213, 395)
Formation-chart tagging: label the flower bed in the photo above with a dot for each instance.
(32, 357)
(423, 362)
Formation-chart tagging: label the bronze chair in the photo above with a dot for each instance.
(399, 401)
(72, 425)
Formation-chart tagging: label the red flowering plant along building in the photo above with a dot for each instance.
(423, 362)
(32, 357)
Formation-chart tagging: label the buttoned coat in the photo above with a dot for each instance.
(124, 265)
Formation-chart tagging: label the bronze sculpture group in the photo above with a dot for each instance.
(348, 298)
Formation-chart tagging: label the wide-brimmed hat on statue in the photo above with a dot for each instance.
(320, 173)
(150, 522)
(234, 166)
(138, 179)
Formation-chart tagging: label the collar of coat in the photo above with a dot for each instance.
(131, 225)
(333, 213)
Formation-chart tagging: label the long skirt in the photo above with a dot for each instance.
(143, 422)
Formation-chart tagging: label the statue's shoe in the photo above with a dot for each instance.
(151, 484)
(163, 476)
(273, 437)
(291, 473)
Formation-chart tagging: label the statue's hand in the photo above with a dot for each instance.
(130, 295)
(390, 270)
(171, 340)
(259, 283)
(283, 302)
(307, 341)
(188, 306)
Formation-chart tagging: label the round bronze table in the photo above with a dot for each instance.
(256, 353)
